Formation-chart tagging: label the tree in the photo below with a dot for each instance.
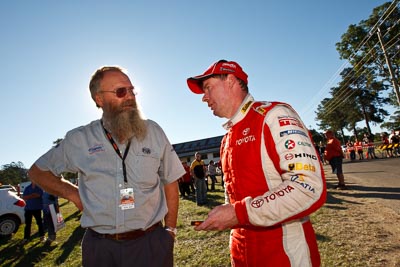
(359, 95)
(316, 136)
(330, 117)
(361, 47)
(13, 173)
(365, 97)
(394, 123)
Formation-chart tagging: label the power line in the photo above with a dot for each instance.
(343, 94)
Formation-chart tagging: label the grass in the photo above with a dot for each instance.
(194, 248)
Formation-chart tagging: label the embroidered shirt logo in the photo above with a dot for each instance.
(96, 148)
(247, 138)
(146, 150)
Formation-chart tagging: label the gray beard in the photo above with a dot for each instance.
(124, 125)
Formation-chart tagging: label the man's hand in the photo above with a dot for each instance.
(220, 218)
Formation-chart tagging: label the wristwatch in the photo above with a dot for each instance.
(171, 229)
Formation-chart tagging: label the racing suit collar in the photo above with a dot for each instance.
(240, 113)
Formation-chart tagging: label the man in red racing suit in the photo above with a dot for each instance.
(273, 176)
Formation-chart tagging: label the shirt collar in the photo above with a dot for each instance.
(240, 113)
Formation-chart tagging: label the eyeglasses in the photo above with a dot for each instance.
(121, 92)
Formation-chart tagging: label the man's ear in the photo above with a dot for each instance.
(99, 100)
(231, 79)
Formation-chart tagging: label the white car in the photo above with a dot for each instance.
(11, 212)
(8, 187)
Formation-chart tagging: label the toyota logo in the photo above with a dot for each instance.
(246, 131)
(257, 203)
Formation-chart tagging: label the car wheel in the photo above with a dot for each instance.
(8, 225)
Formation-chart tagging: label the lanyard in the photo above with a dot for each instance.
(123, 157)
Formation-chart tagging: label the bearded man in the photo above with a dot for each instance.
(128, 172)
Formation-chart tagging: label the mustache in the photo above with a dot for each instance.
(129, 103)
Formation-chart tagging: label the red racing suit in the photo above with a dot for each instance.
(274, 179)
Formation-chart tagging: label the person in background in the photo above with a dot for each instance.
(18, 190)
(219, 165)
(369, 141)
(386, 144)
(212, 172)
(394, 141)
(33, 208)
(197, 170)
(273, 177)
(334, 154)
(350, 148)
(358, 144)
(49, 199)
(184, 181)
(128, 173)
(322, 152)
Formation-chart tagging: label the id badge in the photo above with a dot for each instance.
(127, 200)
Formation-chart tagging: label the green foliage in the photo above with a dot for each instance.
(359, 95)
(13, 173)
(316, 136)
(394, 123)
(194, 248)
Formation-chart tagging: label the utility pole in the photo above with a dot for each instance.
(393, 78)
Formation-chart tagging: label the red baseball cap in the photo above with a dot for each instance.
(220, 67)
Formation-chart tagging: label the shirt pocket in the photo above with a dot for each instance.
(145, 168)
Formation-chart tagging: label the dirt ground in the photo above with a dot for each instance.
(364, 232)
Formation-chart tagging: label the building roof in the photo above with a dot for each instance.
(206, 145)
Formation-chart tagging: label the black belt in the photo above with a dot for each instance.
(131, 235)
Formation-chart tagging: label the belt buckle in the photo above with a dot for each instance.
(117, 237)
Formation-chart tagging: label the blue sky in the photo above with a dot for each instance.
(49, 49)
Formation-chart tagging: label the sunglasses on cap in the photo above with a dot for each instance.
(121, 92)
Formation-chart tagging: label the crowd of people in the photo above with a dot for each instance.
(366, 147)
(333, 153)
(199, 178)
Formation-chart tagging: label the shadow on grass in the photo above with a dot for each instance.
(336, 201)
(17, 255)
(76, 215)
(374, 192)
(74, 239)
(67, 247)
(214, 198)
(30, 257)
(5, 240)
(323, 238)
(359, 191)
(13, 253)
(64, 203)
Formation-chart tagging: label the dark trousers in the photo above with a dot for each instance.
(213, 181)
(48, 221)
(153, 249)
(184, 189)
(28, 222)
(353, 155)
